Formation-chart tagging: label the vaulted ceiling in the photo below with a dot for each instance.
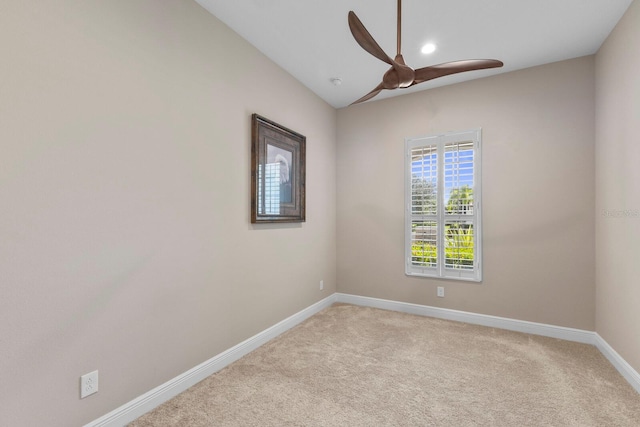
(311, 39)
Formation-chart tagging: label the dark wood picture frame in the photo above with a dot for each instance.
(277, 172)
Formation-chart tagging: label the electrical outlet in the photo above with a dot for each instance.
(88, 384)
(441, 291)
(321, 284)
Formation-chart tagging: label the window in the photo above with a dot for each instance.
(442, 194)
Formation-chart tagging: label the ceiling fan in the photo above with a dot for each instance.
(400, 75)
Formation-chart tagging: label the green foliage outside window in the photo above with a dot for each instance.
(459, 246)
(461, 200)
(458, 249)
(458, 236)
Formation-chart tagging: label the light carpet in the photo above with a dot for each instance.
(360, 366)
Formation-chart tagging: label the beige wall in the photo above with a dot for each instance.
(618, 188)
(124, 178)
(538, 162)
(125, 239)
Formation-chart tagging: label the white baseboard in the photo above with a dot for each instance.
(143, 404)
(569, 334)
(629, 374)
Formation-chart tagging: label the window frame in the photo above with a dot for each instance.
(440, 141)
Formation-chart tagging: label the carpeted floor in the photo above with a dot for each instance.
(358, 366)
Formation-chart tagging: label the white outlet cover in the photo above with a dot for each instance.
(441, 291)
(88, 384)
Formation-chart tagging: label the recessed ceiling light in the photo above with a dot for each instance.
(337, 81)
(428, 48)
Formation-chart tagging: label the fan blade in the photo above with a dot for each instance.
(441, 70)
(370, 95)
(365, 40)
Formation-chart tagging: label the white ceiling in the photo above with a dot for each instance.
(311, 39)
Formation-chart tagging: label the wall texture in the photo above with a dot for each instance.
(126, 244)
(618, 188)
(125, 239)
(538, 216)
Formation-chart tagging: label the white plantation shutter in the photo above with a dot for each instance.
(442, 192)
